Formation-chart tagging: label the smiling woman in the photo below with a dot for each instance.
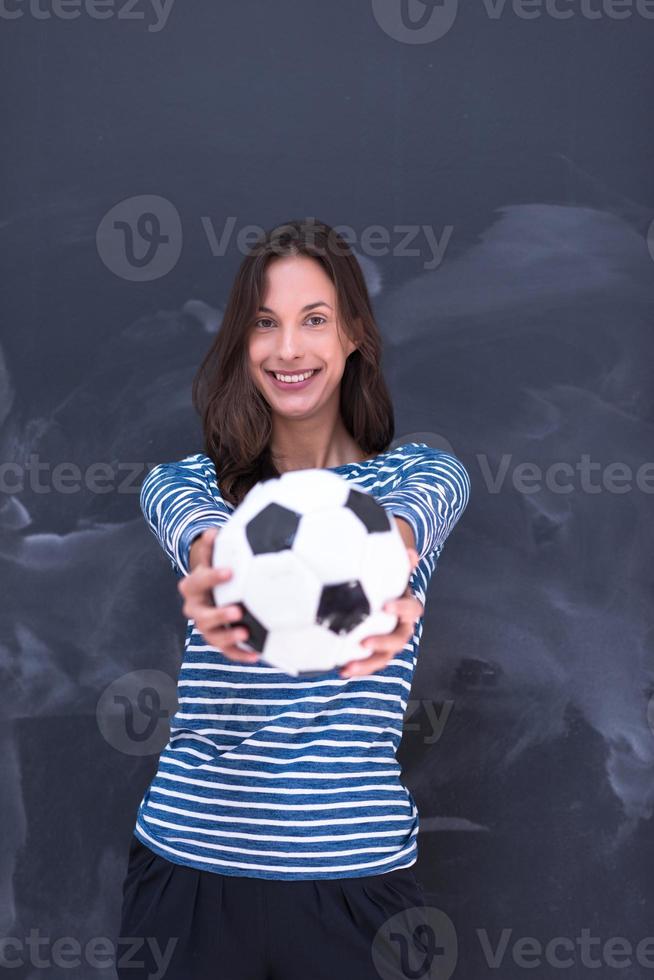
(301, 349)
(267, 776)
(299, 304)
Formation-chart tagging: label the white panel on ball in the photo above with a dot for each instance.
(311, 649)
(313, 489)
(386, 566)
(233, 553)
(331, 541)
(281, 592)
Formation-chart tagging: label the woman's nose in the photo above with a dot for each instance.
(289, 343)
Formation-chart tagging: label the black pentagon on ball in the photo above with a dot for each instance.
(273, 529)
(371, 514)
(257, 633)
(342, 606)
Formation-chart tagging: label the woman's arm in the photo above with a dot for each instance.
(178, 506)
(431, 494)
(194, 551)
(429, 497)
(406, 532)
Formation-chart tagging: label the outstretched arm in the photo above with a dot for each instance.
(427, 501)
(177, 505)
(431, 494)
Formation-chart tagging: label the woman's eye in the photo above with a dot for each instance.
(265, 321)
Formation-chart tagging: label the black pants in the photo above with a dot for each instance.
(181, 923)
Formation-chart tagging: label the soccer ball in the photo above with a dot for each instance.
(313, 560)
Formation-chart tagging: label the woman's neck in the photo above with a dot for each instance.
(317, 452)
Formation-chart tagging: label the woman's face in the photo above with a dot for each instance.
(295, 331)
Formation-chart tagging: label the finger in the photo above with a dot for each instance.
(414, 557)
(214, 617)
(394, 641)
(203, 577)
(390, 643)
(368, 665)
(401, 632)
(406, 608)
(199, 605)
(224, 637)
(240, 656)
(201, 581)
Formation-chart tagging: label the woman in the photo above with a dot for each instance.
(276, 837)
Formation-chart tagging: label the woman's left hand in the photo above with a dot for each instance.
(384, 646)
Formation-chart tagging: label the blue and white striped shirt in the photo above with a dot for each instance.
(270, 776)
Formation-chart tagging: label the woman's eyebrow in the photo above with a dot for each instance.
(309, 306)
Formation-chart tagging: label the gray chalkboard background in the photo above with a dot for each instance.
(494, 165)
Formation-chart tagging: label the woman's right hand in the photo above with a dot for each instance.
(212, 621)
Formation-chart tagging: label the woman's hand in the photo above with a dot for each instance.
(408, 609)
(212, 621)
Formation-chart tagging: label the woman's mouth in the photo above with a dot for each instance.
(295, 381)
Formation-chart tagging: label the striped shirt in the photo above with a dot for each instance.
(270, 776)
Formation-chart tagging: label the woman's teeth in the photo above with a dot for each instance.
(293, 377)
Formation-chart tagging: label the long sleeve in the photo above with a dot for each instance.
(178, 504)
(432, 492)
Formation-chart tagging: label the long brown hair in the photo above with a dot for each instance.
(236, 419)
